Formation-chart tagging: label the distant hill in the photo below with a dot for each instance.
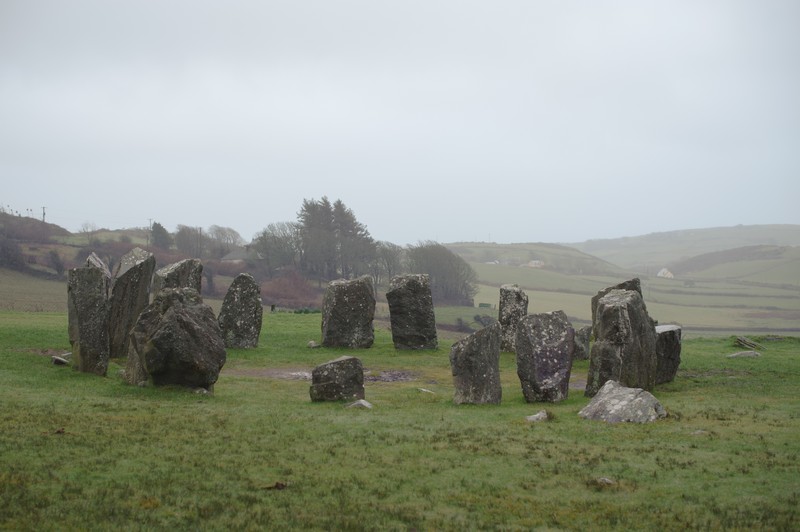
(763, 264)
(27, 228)
(647, 254)
(551, 257)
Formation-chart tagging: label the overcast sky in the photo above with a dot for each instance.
(452, 120)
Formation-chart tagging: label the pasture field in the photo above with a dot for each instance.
(84, 452)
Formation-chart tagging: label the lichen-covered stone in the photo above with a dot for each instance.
(631, 284)
(177, 341)
(411, 312)
(615, 403)
(241, 315)
(187, 273)
(87, 309)
(545, 344)
(130, 294)
(513, 307)
(475, 363)
(582, 342)
(624, 349)
(668, 352)
(348, 311)
(338, 380)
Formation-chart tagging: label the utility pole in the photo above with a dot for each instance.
(149, 230)
(42, 214)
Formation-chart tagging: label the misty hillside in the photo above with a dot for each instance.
(764, 264)
(649, 253)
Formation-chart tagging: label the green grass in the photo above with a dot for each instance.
(82, 452)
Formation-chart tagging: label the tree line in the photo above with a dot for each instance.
(328, 242)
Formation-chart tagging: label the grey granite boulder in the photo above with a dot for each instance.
(668, 352)
(187, 273)
(130, 294)
(241, 315)
(411, 312)
(87, 317)
(177, 341)
(513, 307)
(338, 380)
(545, 345)
(624, 349)
(475, 363)
(348, 311)
(615, 403)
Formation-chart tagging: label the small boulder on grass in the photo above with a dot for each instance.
(338, 380)
(615, 403)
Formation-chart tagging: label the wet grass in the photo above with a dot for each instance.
(82, 452)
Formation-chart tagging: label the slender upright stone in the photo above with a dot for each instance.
(241, 314)
(668, 352)
(87, 306)
(348, 311)
(513, 307)
(130, 295)
(545, 345)
(475, 363)
(411, 312)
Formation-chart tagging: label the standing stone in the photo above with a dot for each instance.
(582, 337)
(348, 310)
(545, 345)
(624, 349)
(338, 380)
(187, 273)
(631, 284)
(513, 307)
(96, 262)
(615, 403)
(475, 363)
(87, 305)
(129, 297)
(176, 340)
(241, 314)
(411, 312)
(668, 352)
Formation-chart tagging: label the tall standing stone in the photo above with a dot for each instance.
(475, 363)
(411, 312)
(668, 352)
(87, 304)
(545, 345)
(129, 296)
(631, 284)
(187, 273)
(176, 340)
(348, 311)
(624, 349)
(241, 314)
(513, 307)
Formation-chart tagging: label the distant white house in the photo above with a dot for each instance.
(535, 264)
(665, 273)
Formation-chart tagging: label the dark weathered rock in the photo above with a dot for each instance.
(87, 308)
(545, 345)
(177, 341)
(631, 284)
(130, 294)
(513, 307)
(624, 349)
(96, 262)
(668, 352)
(475, 363)
(615, 403)
(338, 380)
(582, 338)
(187, 273)
(411, 312)
(348, 311)
(241, 315)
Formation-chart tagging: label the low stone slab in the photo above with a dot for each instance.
(615, 403)
(744, 354)
(475, 363)
(338, 380)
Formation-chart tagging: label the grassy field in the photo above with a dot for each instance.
(83, 452)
